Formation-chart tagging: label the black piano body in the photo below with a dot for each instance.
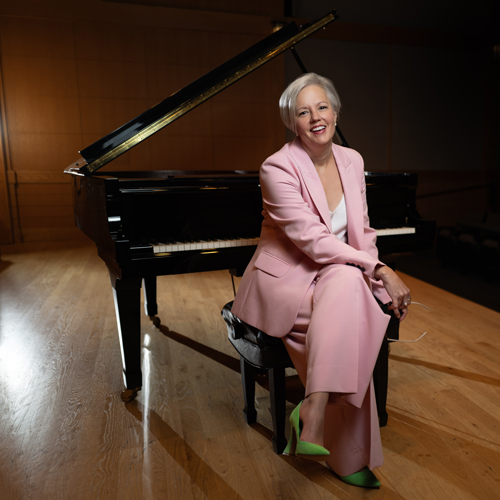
(392, 208)
(152, 223)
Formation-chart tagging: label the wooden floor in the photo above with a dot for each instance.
(65, 434)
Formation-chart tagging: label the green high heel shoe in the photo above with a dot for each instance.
(364, 478)
(302, 449)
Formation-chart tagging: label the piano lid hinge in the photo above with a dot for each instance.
(77, 167)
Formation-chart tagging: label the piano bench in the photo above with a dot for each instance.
(258, 350)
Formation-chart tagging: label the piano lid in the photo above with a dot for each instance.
(154, 119)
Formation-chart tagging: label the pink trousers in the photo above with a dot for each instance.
(334, 345)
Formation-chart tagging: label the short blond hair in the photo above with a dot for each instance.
(288, 99)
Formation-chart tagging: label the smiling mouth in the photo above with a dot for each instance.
(318, 129)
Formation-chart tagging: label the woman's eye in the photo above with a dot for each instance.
(323, 107)
(302, 113)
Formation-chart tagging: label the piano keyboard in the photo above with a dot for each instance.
(395, 230)
(203, 245)
(245, 242)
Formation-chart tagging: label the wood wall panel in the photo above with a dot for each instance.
(98, 11)
(47, 199)
(30, 37)
(262, 7)
(48, 221)
(6, 230)
(44, 207)
(43, 114)
(6, 216)
(109, 42)
(70, 82)
(176, 47)
(54, 186)
(47, 209)
(112, 79)
(46, 76)
(43, 152)
(37, 177)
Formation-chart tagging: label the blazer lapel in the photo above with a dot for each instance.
(353, 200)
(350, 185)
(312, 181)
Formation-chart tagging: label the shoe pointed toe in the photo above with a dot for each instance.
(364, 478)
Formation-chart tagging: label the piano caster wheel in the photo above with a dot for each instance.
(129, 394)
(156, 320)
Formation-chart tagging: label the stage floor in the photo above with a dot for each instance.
(65, 433)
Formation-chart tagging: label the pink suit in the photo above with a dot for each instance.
(305, 285)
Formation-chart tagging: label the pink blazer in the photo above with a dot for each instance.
(296, 237)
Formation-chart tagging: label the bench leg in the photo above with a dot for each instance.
(277, 393)
(380, 381)
(248, 382)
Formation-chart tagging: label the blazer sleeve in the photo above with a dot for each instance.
(282, 187)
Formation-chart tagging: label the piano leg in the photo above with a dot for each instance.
(128, 307)
(150, 299)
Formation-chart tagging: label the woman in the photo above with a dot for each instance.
(313, 281)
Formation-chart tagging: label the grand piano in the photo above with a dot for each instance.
(152, 223)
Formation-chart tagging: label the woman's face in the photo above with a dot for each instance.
(314, 117)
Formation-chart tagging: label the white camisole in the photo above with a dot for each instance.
(339, 221)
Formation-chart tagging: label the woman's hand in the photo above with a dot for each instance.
(399, 292)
